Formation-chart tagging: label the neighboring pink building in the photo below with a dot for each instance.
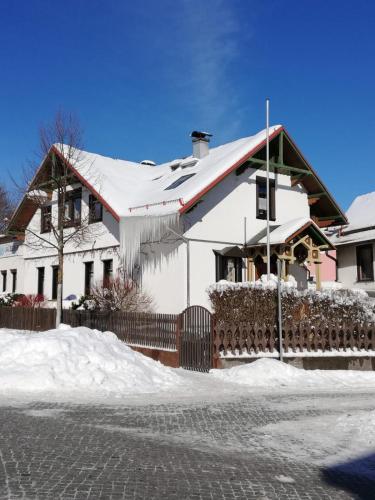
(328, 267)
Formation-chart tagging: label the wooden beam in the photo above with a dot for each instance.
(312, 201)
(280, 166)
(317, 195)
(330, 217)
(325, 223)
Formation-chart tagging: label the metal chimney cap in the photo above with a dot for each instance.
(196, 134)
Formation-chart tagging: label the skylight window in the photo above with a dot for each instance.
(179, 181)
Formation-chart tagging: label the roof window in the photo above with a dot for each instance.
(179, 181)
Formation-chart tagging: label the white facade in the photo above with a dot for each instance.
(355, 269)
(225, 217)
(216, 208)
(11, 262)
(347, 271)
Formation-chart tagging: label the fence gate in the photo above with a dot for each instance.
(196, 339)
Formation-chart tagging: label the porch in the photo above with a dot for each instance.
(296, 244)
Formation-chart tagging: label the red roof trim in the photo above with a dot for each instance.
(88, 185)
(248, 155)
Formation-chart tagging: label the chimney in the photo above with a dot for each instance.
(200, 143)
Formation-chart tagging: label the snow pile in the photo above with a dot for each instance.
(271, 373)
(263, 283)
(71, 360)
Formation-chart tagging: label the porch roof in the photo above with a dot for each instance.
(284, 233)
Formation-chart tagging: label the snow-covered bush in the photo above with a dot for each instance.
(120, 294)
(257, 303)
(84, 303)
(8, 299)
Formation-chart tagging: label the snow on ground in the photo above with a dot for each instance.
(271, 373)
(77, 360)
(327, 440)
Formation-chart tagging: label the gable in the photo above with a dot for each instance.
(286, 159)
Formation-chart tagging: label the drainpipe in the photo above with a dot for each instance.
(187, 241)
(335, 261)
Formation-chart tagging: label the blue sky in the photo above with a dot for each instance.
(141, 75)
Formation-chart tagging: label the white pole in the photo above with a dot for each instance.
(268, 186)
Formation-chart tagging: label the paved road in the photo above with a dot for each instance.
(219, 449)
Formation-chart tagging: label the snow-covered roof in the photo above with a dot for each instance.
(285, 232)
(134, 189)
(361, 216)
(353, 237)
(361, 213)
(281, 233)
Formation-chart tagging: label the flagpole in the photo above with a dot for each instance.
(268, 186)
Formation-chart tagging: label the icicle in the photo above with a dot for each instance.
(135, 230)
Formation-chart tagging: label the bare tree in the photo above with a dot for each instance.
(6, 208)
(51, 192)
(120, 294)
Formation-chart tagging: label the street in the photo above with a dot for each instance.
(260, 445)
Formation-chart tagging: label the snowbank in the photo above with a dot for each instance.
(77, 360)
(262, 283)
(270, 373)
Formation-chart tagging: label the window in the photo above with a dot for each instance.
(4, 276)
(365, 265)
(41, 274)
(14, 280)
(262, 198)
(107, 271)
(179, 181)
(45, 219)
(55, 271)
(228, 268)
(95, 210)
(72, 209)
(89, 277)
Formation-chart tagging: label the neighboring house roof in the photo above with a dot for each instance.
(361, 216)
(360, 236)
(286, 232)
(361, 213)
(128, 188)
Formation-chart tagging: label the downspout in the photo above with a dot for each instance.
(187, 241)
(335, 261)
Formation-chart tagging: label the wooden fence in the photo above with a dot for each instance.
(242, 339)
(143, 329)
(191, 334)
(25, 318)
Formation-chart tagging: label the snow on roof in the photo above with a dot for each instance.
(353, 237)
(281, 233)
(133, 189)
(361, 212)
(361, 216)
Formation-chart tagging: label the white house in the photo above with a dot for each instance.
(180, 226)
(356, 244)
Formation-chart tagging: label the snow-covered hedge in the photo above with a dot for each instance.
(257, 303)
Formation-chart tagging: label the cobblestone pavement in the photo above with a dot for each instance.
(174, 450)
